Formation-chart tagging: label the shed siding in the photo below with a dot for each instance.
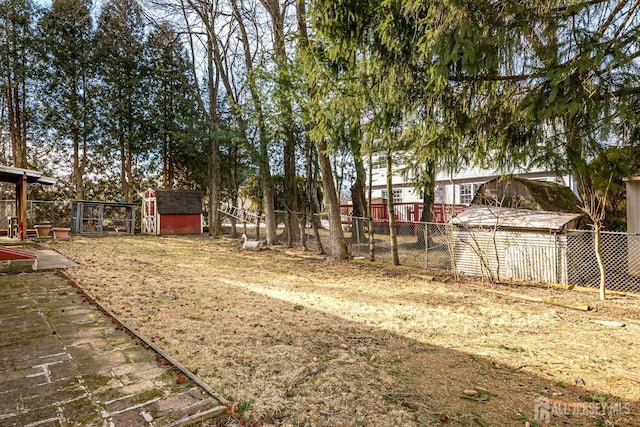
(531, 256)
(180, 224)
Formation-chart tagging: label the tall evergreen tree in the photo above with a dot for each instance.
(176, 127)
(17, 19)
(122, 100)
(512, 83)
(68, 81)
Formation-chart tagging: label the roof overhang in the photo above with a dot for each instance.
(508, 218)
(13, 175)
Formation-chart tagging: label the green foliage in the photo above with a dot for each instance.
(121, 100)
(252, 189)
(17, 46)
(68, 76)
(502, 84)
(608, 171)
(176, 129)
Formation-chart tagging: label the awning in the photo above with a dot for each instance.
(21, 177)
(522, 219)
(13, 175)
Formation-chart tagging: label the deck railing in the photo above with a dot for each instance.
(405, 212)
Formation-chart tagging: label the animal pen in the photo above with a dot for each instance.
(97, 218)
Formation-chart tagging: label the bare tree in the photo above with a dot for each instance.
(277, 11)
(207, 13)
(595, 207)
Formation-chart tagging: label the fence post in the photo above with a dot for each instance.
(426, 243)
(556, 254)
(358, 235)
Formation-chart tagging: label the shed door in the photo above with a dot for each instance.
(149, 216)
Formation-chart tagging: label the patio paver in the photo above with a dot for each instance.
(64, 363)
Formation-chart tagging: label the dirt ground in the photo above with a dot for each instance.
(309, 341)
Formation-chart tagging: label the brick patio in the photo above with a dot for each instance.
(64, 363)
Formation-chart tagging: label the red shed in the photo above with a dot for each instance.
(171, 212)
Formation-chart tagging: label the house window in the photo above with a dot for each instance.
(466, 193)
(380, 161)
(397, 195)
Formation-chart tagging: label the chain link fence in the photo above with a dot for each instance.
(495, 254)
(58, 213)
(567, 258)
(620, 256)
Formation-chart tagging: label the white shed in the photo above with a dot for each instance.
(521, 244)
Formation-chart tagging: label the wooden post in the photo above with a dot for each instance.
(21, 204)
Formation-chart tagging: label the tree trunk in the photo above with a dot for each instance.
(372, 246)
(428, 199)
(338, 243)
(390, 210)
(214, 146)
(357, 189)
(17, 133)
(603, 272)
(357, 212)
(315, 200)
(123, 168)
(78, 169)
(235, 186)
(312, 192)
(214, 185)
(303, 232)
(269, 206)
(81, 154)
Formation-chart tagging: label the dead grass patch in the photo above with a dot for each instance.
(314, 342)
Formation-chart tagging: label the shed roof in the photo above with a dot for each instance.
(178, 202)
(12, 174)
(529, 194)
(523, 219)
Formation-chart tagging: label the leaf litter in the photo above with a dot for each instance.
(316, 342)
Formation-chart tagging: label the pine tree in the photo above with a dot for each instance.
(122, 100)
(68, 81)
(176, 129)
(16, 57)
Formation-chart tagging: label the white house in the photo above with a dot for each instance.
(452, 188)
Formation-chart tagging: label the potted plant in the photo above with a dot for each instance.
(43, 230)
(60, 232)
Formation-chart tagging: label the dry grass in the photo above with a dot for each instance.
(314, 342)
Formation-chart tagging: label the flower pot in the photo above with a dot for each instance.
(60, 232)
(43, 230)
